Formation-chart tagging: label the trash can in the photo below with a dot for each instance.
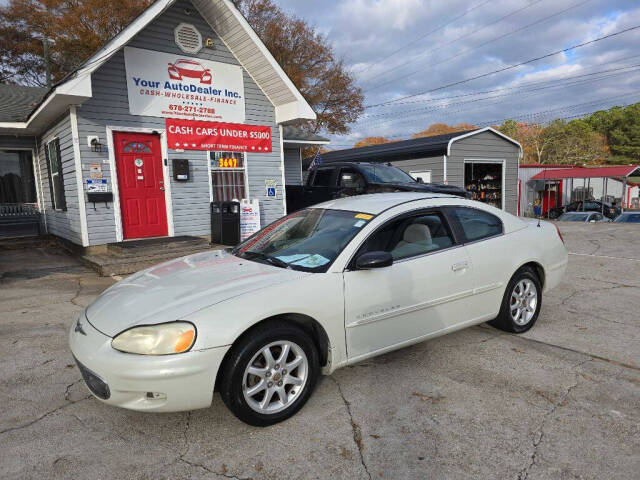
(225, 223)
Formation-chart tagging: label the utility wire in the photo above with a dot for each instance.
(565, 108)
(550, 80)
(466, 35)
(476, 47)
(510, 91)
(510, 67)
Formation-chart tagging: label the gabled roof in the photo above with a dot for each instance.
(297, 136)
(16, 101)
(425, 146)
(230, 26)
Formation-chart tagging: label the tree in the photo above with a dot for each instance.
(74, 29)
(368, 141)
(442, 128)
(575, 142)
(621, 127)
(310, 62)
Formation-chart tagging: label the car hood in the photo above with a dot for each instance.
(172, 290)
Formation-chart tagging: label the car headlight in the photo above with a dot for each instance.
(162, 339)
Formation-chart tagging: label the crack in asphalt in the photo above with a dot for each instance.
(44, 415)
(538, 435)
(357, 432)
(185, 451)
(77, 294)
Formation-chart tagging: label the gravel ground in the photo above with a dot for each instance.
(561, 401)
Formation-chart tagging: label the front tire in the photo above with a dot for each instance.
(270, 373)
(521, 302)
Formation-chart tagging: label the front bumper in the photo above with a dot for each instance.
(162, 383)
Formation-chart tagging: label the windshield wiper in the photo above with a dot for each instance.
(272, 260)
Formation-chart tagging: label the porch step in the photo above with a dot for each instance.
(132, 259)
(152, 246)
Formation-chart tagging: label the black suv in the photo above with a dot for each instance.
(343, 179)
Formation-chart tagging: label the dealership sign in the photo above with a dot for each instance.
(229, 137)
(166, 85)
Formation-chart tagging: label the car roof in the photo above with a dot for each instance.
(579, 213)
(375, 203)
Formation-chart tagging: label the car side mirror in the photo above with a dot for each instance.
(370, 260)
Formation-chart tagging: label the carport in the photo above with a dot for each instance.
(581, 181)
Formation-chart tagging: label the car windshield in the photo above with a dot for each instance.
(628, 218)
(190, 66)
(307, 240)
(385, 174)
(573, 217)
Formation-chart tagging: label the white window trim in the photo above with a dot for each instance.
(75, 140)
(117, 214)
(243, 169)
(501, 161)
(47, 161)
(282, 178)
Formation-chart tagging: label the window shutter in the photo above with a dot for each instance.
(48, 162)
(60, 178)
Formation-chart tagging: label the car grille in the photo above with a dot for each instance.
(97, 386)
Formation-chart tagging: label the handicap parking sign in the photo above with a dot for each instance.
(271, 191)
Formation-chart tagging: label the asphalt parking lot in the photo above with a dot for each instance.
(560, 402)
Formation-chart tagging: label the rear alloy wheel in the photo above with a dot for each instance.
(270, 373)
(521, 302)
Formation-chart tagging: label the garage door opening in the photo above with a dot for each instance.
(485, 181)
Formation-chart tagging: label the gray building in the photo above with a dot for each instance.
(185, 106)
(483, 161)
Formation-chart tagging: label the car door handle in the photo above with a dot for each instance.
(456, 267)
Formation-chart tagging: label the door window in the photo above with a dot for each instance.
(476, 224)
(227, 176)
(410, 236)
(322, 177)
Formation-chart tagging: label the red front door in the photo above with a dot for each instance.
(141, 185)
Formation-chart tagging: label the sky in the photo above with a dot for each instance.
(398, 49)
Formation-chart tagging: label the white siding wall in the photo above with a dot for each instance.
(65, 224)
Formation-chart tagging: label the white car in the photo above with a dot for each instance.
(318, 289)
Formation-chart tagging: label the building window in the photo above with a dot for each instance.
(56, 182)
(227, 176)
(17, 182)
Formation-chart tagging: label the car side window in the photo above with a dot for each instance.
(410, 236)
(477, 224)
(322, 177)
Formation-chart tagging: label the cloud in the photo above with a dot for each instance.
(427, 47)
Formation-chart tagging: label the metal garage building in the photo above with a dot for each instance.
(484, 161)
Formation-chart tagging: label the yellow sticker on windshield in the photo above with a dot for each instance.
(364, 216)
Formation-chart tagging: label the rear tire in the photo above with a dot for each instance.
(270, 373)
(521, 302)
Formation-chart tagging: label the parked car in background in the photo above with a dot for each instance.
(345, 179)
(583, 217)
(607, 209)
(318, 289)
(628, 217)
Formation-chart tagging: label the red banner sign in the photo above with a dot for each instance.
(228, 137)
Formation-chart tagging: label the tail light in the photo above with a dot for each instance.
(559, 234)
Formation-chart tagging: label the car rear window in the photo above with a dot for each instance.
(477, 224)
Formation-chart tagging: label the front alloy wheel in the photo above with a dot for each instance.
(274, 376)
(269, 373)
